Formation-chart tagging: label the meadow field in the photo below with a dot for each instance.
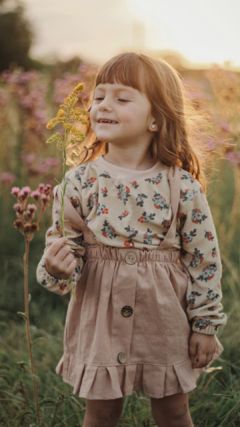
(27, 101)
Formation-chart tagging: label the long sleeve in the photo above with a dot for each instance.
(75, 241)
(200, 258)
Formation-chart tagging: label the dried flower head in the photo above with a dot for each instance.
(34, 227)
(27, 227)
(18, 224)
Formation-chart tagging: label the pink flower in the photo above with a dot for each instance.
(15, 191)
(234, 158)
(18, 208)
(36, 194)
(44, 198)
(41, 187)
(32, 208)
(47, 189)
(7, 177)
(24, 193)
(225, 126)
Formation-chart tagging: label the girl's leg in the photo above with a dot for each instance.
(172, 411)
(103, 413)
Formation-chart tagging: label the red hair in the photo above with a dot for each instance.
(182, 129)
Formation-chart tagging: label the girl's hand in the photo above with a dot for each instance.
(201, 349)
(60, 262)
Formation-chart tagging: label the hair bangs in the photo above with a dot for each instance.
(123, 69)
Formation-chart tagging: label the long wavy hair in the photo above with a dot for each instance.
(181, 138)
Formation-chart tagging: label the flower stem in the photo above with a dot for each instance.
(28, 324)
(63, 195)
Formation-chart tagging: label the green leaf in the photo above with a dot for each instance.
(47, 400)
(22, 315)
(23, 413)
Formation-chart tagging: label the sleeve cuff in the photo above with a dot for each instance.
(44, 278)
(202, 326)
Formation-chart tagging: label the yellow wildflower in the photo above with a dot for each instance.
(57, 136)
(68, 126)
(52, 123)
(71, 99)
(61, 113)
(79, 88)
(80, 111)
(76, 131)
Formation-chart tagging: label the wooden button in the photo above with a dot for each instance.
(127, 311)
(122, 357)
(130, 258)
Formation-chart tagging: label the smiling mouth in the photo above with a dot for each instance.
(107, 122)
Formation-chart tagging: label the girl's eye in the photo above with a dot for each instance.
(123, 100)
(97, 99)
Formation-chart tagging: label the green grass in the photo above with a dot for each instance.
(214, 403)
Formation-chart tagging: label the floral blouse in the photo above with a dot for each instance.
(127, 208)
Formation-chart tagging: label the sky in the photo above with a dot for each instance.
(204, 32)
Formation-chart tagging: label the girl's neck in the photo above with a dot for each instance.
(133, 164)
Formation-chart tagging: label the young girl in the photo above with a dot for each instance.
(142, 249)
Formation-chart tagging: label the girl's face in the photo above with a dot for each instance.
(127, 108)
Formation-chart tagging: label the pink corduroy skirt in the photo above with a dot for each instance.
(128, 329)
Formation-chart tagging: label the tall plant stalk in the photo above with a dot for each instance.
(26, 301)
(24, 224)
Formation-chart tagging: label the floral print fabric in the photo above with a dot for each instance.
(125, 212)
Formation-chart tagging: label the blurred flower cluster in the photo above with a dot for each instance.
(28, 90)
(39, 165)
(225, 111)
(27, 100)
(26, 212)
(219, 94)
(65, 85)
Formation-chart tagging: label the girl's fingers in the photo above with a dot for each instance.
(69, 258)
(56, 246)
(209, 357)
(201, 361)
(62, 253)
(192, 349)
(71, 267)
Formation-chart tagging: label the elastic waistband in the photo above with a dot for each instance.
(119, 254)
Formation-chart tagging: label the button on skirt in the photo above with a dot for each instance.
(127, 329)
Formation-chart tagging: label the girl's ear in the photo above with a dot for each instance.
(153, 126)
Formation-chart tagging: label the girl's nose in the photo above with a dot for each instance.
(105, 106)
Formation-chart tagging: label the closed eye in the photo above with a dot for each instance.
(123, 100)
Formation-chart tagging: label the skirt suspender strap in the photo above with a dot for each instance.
(175, 185)
(71, 215)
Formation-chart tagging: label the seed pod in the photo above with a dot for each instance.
(34, 227)
(18, 224)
